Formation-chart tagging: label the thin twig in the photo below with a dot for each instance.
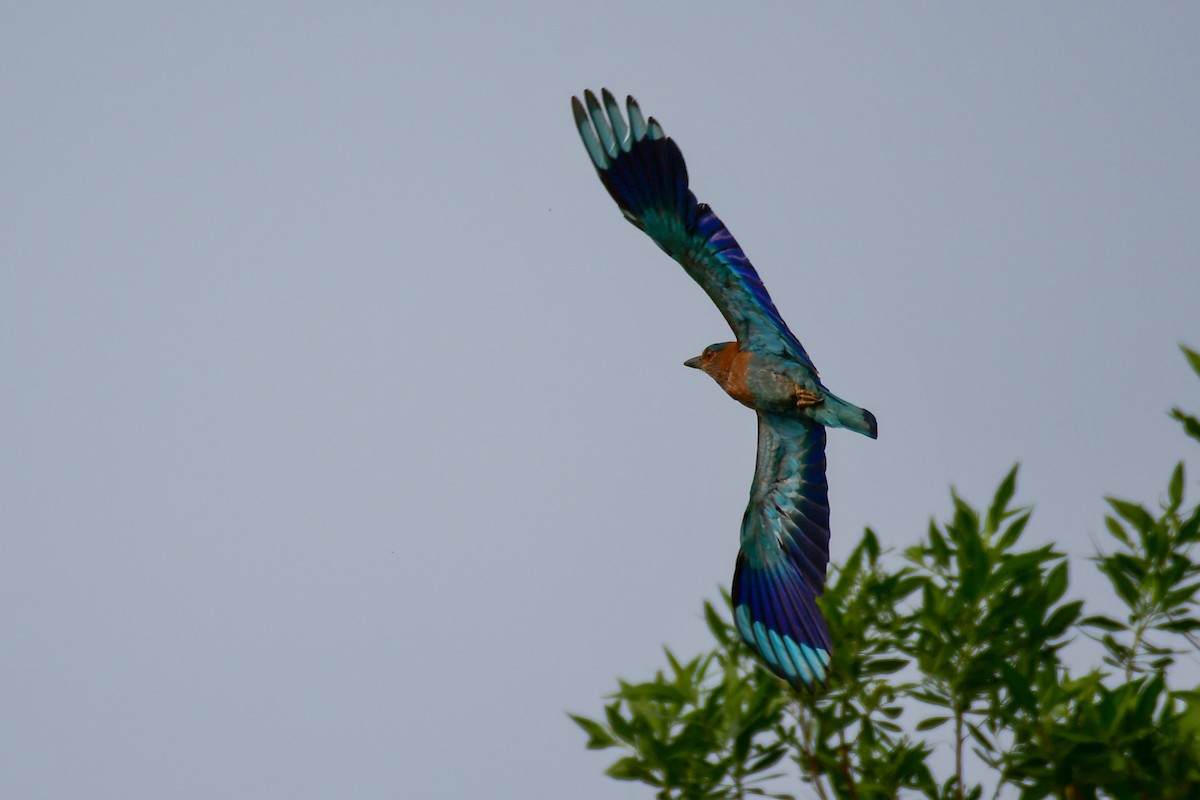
(844, 750)
(958, 751)
(808, 751)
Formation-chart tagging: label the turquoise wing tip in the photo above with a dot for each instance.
(641, 168)
(602, 125)
(603, 128)
(588, 134)
(637, 123)
(777, 616)
(620, 130)
(802, 665)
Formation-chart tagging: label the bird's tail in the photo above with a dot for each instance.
(776, 614)
(835, 412)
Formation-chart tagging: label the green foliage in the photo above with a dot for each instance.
(958, 644)
(706, 729)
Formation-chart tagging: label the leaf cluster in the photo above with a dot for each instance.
(708, 728)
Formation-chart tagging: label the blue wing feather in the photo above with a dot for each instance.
(645, 173)
(785, 550)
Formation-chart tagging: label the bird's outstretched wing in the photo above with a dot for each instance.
(785, 549)
(645, 173)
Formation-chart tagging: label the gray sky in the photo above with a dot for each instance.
(345, 436)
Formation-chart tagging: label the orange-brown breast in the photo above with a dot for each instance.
(731, 367)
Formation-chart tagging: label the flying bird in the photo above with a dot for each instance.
(785, 531)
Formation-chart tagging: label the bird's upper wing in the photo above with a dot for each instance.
(785, 549)
(645, 173)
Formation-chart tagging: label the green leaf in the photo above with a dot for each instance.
(973, 558)
(1192, 356)
(930, 723)
(598, 737)
(676, 667)
(716, 625)
(1134, 514)
(932, 698)
(1189, 530)
(1126, 589)
(1117, 532)
(1103, 623)
(1000, 502)
(769, 760)
(1188, 625)
(937, 543)
(1056, 583)
(619, 725)
(1131, 567)
(1148, 698)
(1018, 686)
(871, 545)
(632, 769)
(1182, 596)
(884, 666)
(1175, 488)
(981, 737)
(1191, 425)
(1063, 617)
(1013, 532)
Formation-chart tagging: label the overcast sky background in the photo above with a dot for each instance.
(345, 439)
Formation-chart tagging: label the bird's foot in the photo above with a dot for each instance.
(805, 398)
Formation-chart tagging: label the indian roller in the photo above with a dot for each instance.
(784, 551)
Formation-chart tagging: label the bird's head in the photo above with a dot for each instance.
(714, 358)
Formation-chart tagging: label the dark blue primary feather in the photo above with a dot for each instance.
(785, 549)
(645, 173)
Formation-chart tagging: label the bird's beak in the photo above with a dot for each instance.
(694, 363)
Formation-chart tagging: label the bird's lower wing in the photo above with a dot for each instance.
(645, 173)
(785, 549)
